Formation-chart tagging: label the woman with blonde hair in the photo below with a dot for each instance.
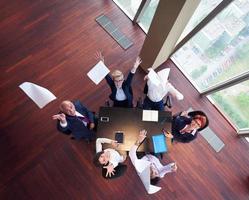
(121, 91)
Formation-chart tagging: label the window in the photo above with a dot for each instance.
(233, 102)
(220, 50)
(130, 7)
(215, 55)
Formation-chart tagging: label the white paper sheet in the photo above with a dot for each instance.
(40, 95)
(153, 76)
(150, 115)
(143, 169)
(163, 75)
(98, 72)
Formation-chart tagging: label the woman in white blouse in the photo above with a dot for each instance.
(108, 158)
(157, 170)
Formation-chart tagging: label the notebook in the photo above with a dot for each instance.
(159, 143)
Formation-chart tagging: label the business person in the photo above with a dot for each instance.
(109, 159)
(157, 170)
(186, 126)
(74, 118)
(121, 90)
(155, 94)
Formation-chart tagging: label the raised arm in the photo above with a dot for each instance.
(136, 64)
(133, 150)
(101, 141)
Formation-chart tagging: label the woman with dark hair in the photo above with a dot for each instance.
(157, 170)
(109, 158)
(185, 126)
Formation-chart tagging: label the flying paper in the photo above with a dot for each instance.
(40, 95)
(98, 72)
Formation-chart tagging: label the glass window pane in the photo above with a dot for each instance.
(204, 8)
(220, 50)
(148, 15)
(130, 7)
(233, 102)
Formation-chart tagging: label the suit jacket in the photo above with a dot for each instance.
(126, 86)
(178, 123)
(76, 126)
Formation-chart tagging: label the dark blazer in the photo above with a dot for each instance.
(126, 86)
(75, 126)
(179, 122)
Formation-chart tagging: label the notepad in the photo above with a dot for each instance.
(159, 143)
(150, 115)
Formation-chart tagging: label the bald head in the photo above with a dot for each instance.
(68, 108)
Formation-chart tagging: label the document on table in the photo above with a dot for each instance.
(40, 95)
(98, 72)
(150, 115)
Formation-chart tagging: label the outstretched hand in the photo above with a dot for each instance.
(142, 135)
(136, 64)
(110, 170)
(114, 143)
(99, 56)
(61, 117)
(167, 134)
(173, 167)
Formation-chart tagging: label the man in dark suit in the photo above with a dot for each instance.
(75, 119)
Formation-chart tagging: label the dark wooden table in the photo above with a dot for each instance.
(129, 121)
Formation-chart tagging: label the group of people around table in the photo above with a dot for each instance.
(77, 120)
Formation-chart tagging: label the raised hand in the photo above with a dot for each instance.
(99, 56)
(61, 117)
(136, 64)
(110, 170)
(173, 167)
(114, 143)
(142, 135)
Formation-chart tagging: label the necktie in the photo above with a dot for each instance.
(85, 120)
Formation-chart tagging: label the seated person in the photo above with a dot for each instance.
(157, 170)
(155, 94)
(109, 159)
(75, 119)
(185, 126)
(121, 95)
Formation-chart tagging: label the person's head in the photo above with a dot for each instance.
(154, 181)
(198, 122)
(199, 118)
(154, 176)
(68, 108)
(118, 78)
(100, 159)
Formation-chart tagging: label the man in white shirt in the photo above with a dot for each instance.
(108, 158)
(155, 94)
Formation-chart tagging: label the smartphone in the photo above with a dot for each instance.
(119, 137)
(104, 119)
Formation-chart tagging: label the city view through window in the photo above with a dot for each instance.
(218, 53)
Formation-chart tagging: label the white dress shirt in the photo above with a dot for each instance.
(115, 157)
(120, 95)
(157, 92)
